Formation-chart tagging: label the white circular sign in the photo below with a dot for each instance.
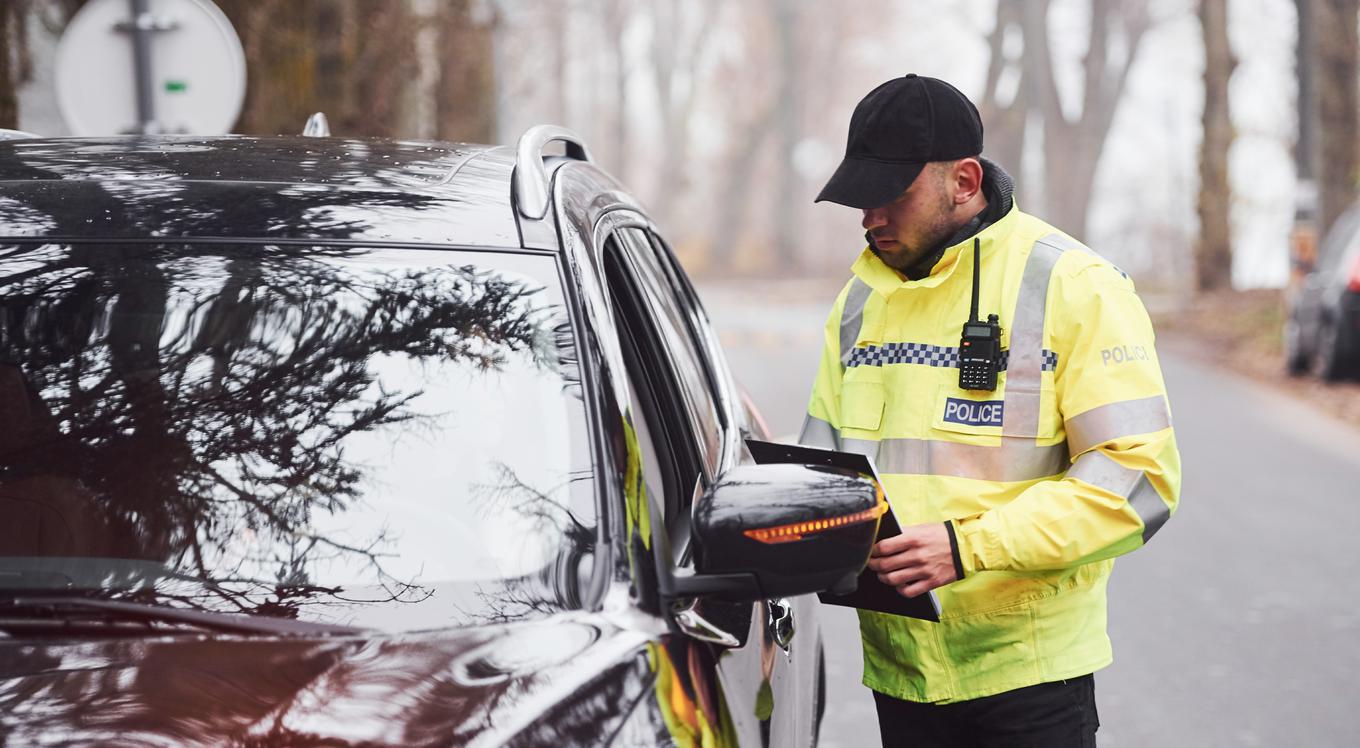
(198, 70)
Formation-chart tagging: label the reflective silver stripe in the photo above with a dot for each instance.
(1064, 243)
(1014, 460)
(1024, 370)
(852, 316)
(1127, 418)
(1151, 509)
(1099, 470)
(819, 433)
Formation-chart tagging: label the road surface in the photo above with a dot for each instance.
(1239, 625)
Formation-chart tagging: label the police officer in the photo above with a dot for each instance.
(1004, 379)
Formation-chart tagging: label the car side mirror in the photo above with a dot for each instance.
(787, 529)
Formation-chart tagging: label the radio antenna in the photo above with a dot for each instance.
(977, 272)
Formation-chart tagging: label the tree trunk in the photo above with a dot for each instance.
(616, 17)
(351, 59)
(735, 197)
(1305, 146)
(9, 99)
(1003, 117)
(1070, 163)
(790, 131)
(681, 34)
(466, 108)
(279, 39)
(378, 63)
(1213, 251)
(1072, 144)
(16, 59)
(1335, 62)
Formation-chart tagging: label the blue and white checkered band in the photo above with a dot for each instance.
(929, 355)
(904, 353)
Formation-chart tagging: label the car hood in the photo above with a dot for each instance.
(539, 683)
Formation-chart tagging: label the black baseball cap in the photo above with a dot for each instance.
(895, 131)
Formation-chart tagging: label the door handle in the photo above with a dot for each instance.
(781, 622)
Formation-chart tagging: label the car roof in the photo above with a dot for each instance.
(285, 188)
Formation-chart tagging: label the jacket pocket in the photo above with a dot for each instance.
(862, 399)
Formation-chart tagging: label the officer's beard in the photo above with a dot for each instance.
(917, 262)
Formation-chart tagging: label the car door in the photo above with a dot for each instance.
(792, 667)
(686, 418)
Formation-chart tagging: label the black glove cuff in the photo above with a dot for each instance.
(954, 550)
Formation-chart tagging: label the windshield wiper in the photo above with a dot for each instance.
(30, 610)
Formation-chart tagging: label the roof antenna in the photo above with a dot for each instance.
(317, 126)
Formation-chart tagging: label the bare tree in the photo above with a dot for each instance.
(616, 17)
(789, 123)
(466, 100)
(773, 97)
(1073, 143)
(12, 20)
(1335, 60)
(16, 63)
(680, 35)
(1004, 106)
(1213, 253)
(749, 121)
(351, 59)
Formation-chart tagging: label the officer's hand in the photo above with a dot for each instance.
(916, 561)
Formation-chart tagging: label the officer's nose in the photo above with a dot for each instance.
(873, 218)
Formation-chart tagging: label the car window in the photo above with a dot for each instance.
(660, 367)
(680, 340)
(701, 332)
(376, 437)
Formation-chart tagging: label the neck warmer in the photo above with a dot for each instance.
(998, 188)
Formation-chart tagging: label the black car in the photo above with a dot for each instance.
(1322, 330)
(363, 442)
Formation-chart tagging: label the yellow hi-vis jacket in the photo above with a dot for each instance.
(1070, 462)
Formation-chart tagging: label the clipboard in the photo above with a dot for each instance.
(869, 594)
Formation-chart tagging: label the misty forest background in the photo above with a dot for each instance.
(1190, 141)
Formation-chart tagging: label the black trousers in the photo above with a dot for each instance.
(1050, 715)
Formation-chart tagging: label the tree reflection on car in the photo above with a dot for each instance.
(192, 407)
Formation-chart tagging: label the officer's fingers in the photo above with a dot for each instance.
(919, 587)
(889, 546)
(894, 561)
(902, 576)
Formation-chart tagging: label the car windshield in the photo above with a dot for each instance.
(380, 437)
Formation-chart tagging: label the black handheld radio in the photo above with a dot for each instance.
(980, 348)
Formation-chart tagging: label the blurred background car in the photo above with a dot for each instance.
(1322, 329)
(368, 442)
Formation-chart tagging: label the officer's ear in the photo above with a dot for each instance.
(967, 178)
